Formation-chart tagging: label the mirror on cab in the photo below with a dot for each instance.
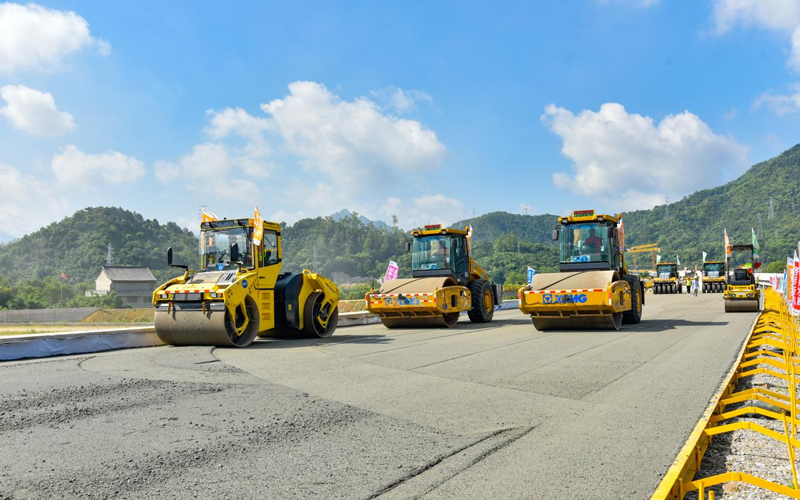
(408, 246)
(555, 234)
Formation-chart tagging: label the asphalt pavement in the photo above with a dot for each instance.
(498, 410)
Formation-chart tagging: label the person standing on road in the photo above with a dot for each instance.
(695, 284)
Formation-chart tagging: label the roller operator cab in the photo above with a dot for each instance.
(593, 289)
(714, 276)
(667, 279)
(445, 282)
(239, 292)
(742, 293)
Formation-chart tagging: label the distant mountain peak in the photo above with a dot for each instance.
(341, 214)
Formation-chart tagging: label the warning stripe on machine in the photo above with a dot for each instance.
(585, 290)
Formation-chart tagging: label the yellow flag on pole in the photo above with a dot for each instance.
(258, 227)
(207, 216)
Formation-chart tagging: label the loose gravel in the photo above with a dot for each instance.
(749, 451)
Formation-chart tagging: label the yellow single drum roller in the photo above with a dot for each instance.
(446, 282)
(594, 289)
(741, 293)
(417, 302)
(239, 292)
(590, 300)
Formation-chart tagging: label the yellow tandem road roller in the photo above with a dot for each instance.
(713, 276)
(741, 293)
(594, 289)
(239, 292)
(446, 281)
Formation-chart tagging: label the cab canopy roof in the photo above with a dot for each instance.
(589, 216)
(434, 229)
(226, 223)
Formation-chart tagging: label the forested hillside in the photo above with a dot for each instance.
(505, 244)
(696, 223)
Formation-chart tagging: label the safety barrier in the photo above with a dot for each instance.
(771, 348)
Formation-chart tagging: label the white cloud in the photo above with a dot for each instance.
(38, 38)
(34, 112)
(399, 100)
(775, 15)
(26, 202)
(429, 209)
(74, 168)
(236, 121)
(348, 140)
(629, 160)
(207, 170)
(347, 152)
(780, 104)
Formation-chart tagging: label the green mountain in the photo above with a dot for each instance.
(78, 246)
(504, 244)
(696, 223)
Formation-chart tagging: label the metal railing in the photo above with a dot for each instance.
(771, 348)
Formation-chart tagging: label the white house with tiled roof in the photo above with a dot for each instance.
(134, 285)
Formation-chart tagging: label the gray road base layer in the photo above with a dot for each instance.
(498, 410)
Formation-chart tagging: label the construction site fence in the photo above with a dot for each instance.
(46, 315)
(771, 348)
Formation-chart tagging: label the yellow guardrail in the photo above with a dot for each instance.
(775, 327)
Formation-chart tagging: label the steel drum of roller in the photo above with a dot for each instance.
(410, 318)
(215, 328)
(742, 305)
(578, 316)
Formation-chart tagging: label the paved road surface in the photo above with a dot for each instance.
(493, 411)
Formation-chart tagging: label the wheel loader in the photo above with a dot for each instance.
(445, 282)
(741, 293)
(714, 276)
(239, 292)
(667, 279)
(593, 289)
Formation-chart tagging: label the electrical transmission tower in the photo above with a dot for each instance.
(525, 208)
(771, 208)
(110, 255)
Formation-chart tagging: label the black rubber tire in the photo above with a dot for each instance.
(246, 338)
(481, 312)
(634, 316)
(311, 327)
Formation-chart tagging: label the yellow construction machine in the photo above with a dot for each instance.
(667, 279)
(446, 282)
(741, 293)
(594, 289)
(239, 292)
(714, 276)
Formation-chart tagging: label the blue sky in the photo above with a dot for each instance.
(424, 110)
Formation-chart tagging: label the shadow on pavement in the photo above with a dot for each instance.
(671, 324)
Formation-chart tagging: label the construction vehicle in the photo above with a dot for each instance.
(445, 282)
(239, 292)
(593, 289)
(714, 276)
(742, 293)
(667, 279)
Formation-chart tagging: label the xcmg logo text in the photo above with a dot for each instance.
(575, 298)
